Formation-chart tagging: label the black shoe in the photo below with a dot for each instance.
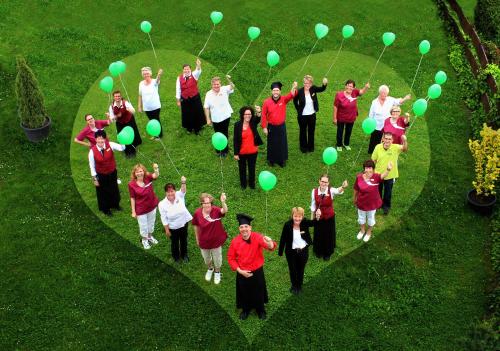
(294, 290)
(119, 208)
(107, 213)
(185, 259)
(386, 210)
(243, 187)
(262, 315)
(282, 164)
(317, 255)
(327, 258)
(177, 260)
(252, 186)
(271, 164)
(244, 315)
(303, 150)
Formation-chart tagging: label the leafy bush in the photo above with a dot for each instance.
(487, 19)
(485, 152)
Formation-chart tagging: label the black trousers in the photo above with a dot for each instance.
(325, 237)
(155, 114)
(108, 194)
(130, 149)
(297, 260)
(247, 160)
(375, 139)
(385, 187)
(307, 126)
(223, 127)
(192, 114)
(251, 292)
(341, 126)
(277, 144)
(178, 242)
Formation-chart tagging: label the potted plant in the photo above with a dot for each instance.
(34, 119)
(485, 152)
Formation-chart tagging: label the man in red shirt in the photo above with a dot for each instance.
(273, 123)
(246, 258)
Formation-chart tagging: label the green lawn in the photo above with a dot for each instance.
(71, 282)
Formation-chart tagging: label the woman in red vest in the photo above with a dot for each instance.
(188, 98)
(103, 170)
(324, 241)
(123, 112)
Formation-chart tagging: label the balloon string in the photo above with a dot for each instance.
(415, 76)
(123, 85)
(376, 64)
(411, 125)
(335, 59)
(142, 154)
(305, 62)
(154, 52)
(327, 169)
(204, 46)
(244, 52)
(168, 155)
(266, 213)
(221, 173)
(267, 82)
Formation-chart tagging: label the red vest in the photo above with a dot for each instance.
(125, 117)
(324, 203)
(104, 164)
(189, 87)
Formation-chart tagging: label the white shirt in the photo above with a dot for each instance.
(128, 106)
(298, 242)
(196, 75)
(333, 192)
(309, 106)
(381, 112)
(114, 147)
(149, 95)
(218, 103)
(175, 215)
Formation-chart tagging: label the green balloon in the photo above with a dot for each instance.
(121, 66)
(369, 125)
(114, 69)
(434, 91)
(273, 58)
(219, 141)
(321, 30)
(216, 17)
(440, 78)
(126, 136)
(419, 107)
(424, 47)
(388, 38)
(267, 180)
(253, 32)
(146, 26)
(347, 31)
(153, 128)
(330, 156)
(106, 84)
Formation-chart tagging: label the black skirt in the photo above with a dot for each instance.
(193, 116)
(325, 237)
(108, 194)
(277, 144)
(251, 292)
(130, 149)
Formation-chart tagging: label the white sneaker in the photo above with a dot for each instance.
(360, 235)
(153, 240)
(217, 277)
(118, 181)
(339, 148)
(347, 147)
(367, 237)
(145, 244)
(208, 275)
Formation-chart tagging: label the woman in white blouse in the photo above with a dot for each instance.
(149, 97)
(380, 110)
(175, 218)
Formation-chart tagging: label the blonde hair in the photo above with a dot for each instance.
(309, 78)
(204, 196)
(135, 168)
(298, 211)
(215, 79)
(147, 68)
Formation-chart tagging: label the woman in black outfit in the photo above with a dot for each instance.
(295, 241)
(246, 141)
(306, 104)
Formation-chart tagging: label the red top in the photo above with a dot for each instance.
(247, 142)
(347, 109)
(189, 86)
(104, 162)
(123, 116)
(211, 233)
(397, 131)
(274, 112)
(145, 198)
(88, 133)
(368, 195)
(247, 255)
(324, 203)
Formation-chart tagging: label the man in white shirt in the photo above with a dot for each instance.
(217, 108)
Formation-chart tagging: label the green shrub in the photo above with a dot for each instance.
(487, 19)
(30, 102)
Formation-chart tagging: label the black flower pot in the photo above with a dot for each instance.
(38, 134)
(481, 204)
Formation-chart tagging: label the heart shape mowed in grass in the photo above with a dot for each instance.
(195, 158)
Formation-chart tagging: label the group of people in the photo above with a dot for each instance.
(372, 188)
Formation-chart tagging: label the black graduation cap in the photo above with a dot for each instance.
(276, 85)
(243, 219)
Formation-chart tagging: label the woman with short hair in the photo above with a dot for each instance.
(149, 97)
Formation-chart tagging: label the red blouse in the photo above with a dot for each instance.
(211, 233)
(247, 256)
(247, 142)
(368, 196)
(145, 198)
(88, 133)
(347, 109)
(397, 131)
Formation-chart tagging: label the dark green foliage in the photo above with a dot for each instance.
(487, 19)
(30, 102)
